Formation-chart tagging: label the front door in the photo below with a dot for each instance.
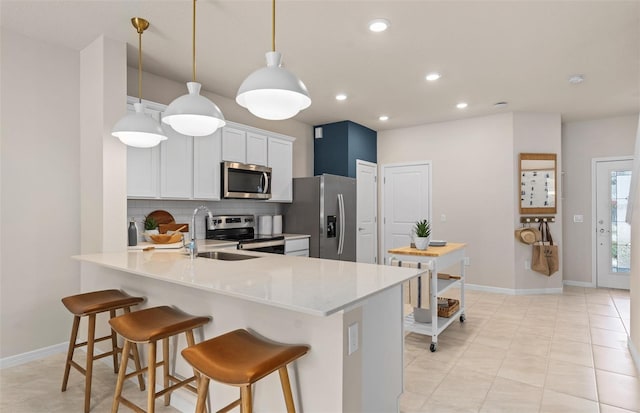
(613, 233)
(406, 195)
(367, 205)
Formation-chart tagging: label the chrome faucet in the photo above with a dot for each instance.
(193, 247)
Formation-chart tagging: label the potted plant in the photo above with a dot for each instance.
(423, 234)
(150, 228)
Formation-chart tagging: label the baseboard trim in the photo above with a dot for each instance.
(584, 284)
(635, 355)
(511, 291)
(30, 356)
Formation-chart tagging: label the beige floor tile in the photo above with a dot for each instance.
(411, 402)
(532, 344)
(605, 408)
(614, 360)
(481, 358)
(608, 338)
(461, 390)
(422, 382)
(599, 299)
(524, 368)
(554, 402)
(573, 318)
(500, 339)
(507, 396)
(607, 323)
(571, 351)
(581, 334)
(572, 289)
(571, 379)
(608, 310)
(618, 390)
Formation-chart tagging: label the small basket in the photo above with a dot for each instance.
(447, 308)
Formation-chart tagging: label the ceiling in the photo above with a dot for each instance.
(521, 52)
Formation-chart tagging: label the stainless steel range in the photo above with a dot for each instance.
(241, 228)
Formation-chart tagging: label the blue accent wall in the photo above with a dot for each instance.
(341, 144)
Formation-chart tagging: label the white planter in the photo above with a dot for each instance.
(147, 234)
(422, 243)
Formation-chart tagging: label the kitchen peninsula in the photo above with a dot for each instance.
(349, 313)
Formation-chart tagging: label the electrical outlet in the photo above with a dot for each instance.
(467, 261)
(353, 338)
(527, 264)
(578, 218)
(443, 218)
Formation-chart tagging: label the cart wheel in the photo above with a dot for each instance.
(463, 318)
(433, 347)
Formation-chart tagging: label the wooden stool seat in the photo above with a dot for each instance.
(239, 358)
(90, 304)
(148, 326)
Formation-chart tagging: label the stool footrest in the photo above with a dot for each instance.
(97, 340)
(131, 405)
(229, 406)
(179, 383)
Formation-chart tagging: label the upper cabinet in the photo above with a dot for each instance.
(184, 167)
(240, 145)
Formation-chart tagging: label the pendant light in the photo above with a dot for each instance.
(193, 114)
(137, 129)
(273, 92)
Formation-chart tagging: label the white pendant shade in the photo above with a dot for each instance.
(193, 114)
(138, 130)
(273, 92)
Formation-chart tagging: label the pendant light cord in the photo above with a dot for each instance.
(140, 66)
(193, 39)
(273, 25)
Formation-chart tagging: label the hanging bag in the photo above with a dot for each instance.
(545, 258)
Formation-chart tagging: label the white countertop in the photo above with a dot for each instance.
(306, 285)
(205, 244)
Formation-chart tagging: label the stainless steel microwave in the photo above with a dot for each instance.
(240, 180)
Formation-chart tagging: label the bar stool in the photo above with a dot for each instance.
(148, 326)
(90, 304)
(239, 358)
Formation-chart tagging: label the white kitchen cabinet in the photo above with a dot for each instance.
(297, 247)
(206, 166)
(176, 166)
(256, 149)
(280, 160)
(234, 145)
(239, 145)
(143, 164)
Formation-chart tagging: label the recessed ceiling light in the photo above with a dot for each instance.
(462, 105)
(575, 79)
(379, 25)
(383, 118)
(433, 76)
(341, 96)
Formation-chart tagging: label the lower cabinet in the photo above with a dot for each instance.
(298, 247)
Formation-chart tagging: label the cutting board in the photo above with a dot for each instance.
(162, 217)
(163, 228)
(143, 245)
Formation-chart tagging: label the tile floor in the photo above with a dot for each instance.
(544, 354)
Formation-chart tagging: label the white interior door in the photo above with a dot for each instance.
(613, 233)
(366, 215)
(406, 198)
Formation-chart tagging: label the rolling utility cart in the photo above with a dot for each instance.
(434, 258)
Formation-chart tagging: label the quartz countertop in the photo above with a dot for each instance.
(307, 285)
(205, 244)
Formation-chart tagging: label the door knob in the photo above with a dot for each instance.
(360, 229)
(602, 230)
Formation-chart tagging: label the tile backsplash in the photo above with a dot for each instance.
(182, 211)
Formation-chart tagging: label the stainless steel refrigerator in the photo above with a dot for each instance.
(325, 207)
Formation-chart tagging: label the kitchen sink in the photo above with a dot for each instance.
(225, 256)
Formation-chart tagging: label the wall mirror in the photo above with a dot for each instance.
(538, 183)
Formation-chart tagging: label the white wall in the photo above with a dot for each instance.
(475, 184)
(473, 162)
(161, 90)
(40, 226)
(635, 258)
(536, 133)
(581, 142)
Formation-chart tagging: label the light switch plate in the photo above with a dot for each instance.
(578, 218)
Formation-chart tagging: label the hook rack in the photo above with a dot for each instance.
(537, 219)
